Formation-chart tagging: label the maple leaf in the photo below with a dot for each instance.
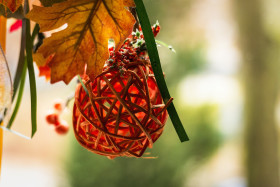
(13, 5)
(84, 43)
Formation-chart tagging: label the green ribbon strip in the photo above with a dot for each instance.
(155, 62)
(32, 80)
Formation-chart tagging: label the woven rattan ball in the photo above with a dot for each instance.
(122, 114)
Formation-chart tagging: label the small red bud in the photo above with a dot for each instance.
(58, 105)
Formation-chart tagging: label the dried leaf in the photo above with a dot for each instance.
(18, 14)
(84, 43)
(13, 5)
(50, 2)
(44, 69)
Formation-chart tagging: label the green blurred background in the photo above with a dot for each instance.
(224, 77)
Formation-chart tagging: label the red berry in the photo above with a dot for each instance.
(111, 49)
(58, 107)
(52, 118)
(62, 128)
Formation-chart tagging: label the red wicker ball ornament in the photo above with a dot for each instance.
(123, 113)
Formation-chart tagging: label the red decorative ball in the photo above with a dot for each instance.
(123, 113)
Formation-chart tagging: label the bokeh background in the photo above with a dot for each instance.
(224, 77)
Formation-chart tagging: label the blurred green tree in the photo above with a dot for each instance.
(261, 82)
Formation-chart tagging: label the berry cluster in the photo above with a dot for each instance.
(52, 118)
(133, 50)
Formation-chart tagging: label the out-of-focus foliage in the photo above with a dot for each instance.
(260, 51)
(174, 159)
(157, 9)
(185, 62)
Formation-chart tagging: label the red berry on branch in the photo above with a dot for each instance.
(62, 128)
(52, 118)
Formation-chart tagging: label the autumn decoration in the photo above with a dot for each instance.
(121, 101)
(123, 112)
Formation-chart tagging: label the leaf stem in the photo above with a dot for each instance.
(21, 62)
(83, 85)
(165, 45)
(155, 62)
(35, 32)
(20, 93)
(21, 70)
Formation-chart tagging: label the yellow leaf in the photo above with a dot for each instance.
(13, 5)
(84, 42)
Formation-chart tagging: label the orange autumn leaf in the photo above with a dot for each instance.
(13, 5)
(44, 69)
(84, 42)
